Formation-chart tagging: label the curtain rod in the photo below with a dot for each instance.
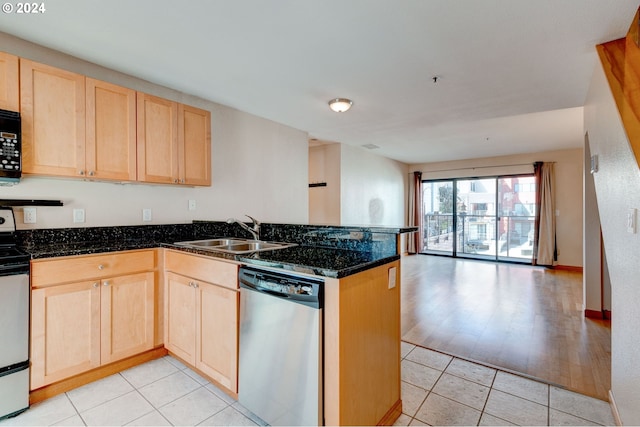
(476, 167)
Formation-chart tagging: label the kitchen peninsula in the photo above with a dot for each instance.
(361, 272)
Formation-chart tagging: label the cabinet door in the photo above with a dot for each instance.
(65, 331)
(180, 317)
(157, 139)
(194, 145)
(217, 334)
(127, 316)
(111, 131)
(9, 83)
(53, 120)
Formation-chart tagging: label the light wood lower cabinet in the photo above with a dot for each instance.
(201, 319)
(126, 316)
(362, 348)
(65, 331)
(77, 326)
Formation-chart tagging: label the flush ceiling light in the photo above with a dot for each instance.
(340, 105)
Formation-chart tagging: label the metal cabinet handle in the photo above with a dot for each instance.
(101, 267)
(91, 173)
(106, 283)
(95, 285)
(81, 172)
(195, 285)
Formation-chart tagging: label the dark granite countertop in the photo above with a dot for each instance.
(327, 262)
(334, 252)
(58, 250)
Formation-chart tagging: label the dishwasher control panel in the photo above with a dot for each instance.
(295, 288)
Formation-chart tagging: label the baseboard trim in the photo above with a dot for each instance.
(68, 384)
(598, 314)
(614, 409)
(593, 314)
(572, 268)
(222, 387)
(392, 414)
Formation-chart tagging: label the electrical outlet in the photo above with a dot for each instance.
(78, 215)
(192, 205)
(29, 215)
(146, 215)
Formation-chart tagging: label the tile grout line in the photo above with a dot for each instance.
(490, 387)
(75, 409)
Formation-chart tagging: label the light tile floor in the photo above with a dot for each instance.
(437, 389)
(162, 392)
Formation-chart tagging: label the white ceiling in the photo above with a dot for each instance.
(512, 74)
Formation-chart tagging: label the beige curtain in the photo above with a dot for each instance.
(415, 212)
(545, 251)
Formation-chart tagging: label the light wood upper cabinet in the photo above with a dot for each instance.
(174, 142)
(53, 120)
(194, 145)
(157, 139)
(76, 126)
(111, 131)
(9, 82)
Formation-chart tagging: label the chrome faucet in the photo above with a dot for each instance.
(255, 230)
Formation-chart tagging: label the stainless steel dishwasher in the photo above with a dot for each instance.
(280, 368)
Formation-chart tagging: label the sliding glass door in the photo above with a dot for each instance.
(476, 226)
(481, 218)
(437, 224)
(516, 215)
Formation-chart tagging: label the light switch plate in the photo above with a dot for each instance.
(632, 221)
(192, 205)
(146, 215)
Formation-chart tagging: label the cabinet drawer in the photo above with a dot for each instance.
(54, 271)
(210, 270)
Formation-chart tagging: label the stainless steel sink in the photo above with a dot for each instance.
(234, 246)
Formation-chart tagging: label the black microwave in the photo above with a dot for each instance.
(10, 147)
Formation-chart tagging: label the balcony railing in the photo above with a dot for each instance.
(477, 236)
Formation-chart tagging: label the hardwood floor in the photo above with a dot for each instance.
(516, 317)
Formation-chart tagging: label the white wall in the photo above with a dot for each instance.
(618, 189)
(259, 167)
(568, 171)
(372, 187)
(592, 277)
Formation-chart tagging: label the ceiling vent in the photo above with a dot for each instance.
(370, 146)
